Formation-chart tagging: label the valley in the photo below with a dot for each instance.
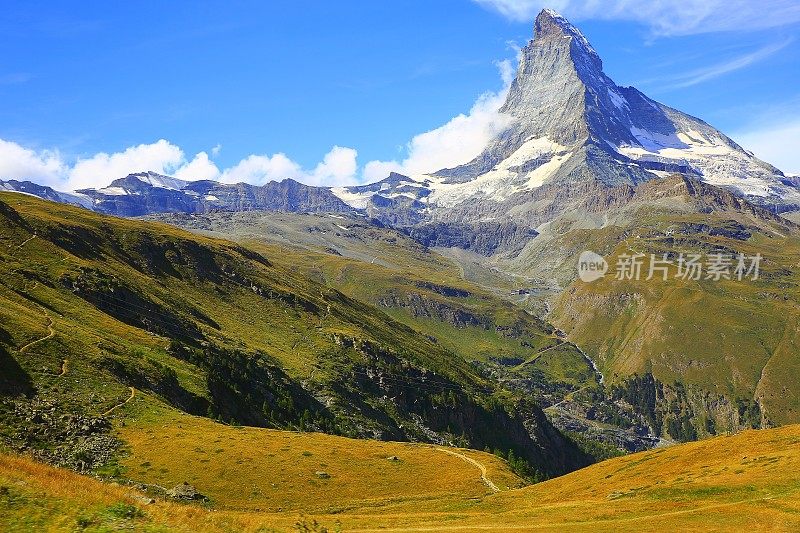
(430, 351)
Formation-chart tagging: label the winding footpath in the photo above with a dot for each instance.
(133, 394)
(473, 462)
(51, 332)
(26, 241)
(538, 354)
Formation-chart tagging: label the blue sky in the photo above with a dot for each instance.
(339, 91)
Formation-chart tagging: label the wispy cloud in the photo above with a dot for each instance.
(716, 70)
(456, 142)
(664, 17)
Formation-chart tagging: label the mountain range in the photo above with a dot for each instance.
(569, 125)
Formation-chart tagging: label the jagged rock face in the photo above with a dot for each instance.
(482, 238)
(572, 123)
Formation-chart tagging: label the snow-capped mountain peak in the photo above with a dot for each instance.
(550, 24)
(570, 124)
(570, 130)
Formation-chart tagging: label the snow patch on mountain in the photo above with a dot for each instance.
(527, 167)
(715, 158)
(651, 141)
(158, 180)
(76, 198)
(356, 199)
(113, 191)
(618, 100)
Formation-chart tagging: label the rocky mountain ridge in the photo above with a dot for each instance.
(145, 193)
(571, 125)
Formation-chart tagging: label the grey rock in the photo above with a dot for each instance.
(185, 491)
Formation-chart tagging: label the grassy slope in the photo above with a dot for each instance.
(384, 268)
(747, 481)
(372, 283)
(737, 339)
(235, 314)
(257, 343)
(256, 469)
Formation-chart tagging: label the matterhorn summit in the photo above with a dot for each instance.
(571, 125)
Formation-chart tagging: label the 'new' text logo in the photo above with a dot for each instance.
(591, 266)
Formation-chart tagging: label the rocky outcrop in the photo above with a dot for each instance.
(685, 412)
(430, 407)
(483, 238)
(185, 492)
(55, 433)
(450, 292)
(420, 306)
(400, 211)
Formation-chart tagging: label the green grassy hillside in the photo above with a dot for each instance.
(383, 267)
(714, 355)
(97, 307)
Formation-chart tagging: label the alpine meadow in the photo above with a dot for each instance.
(570, 308)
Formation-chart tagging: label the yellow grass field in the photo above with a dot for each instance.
(259, 469)
(266, 480)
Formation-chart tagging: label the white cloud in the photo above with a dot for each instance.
(776, 144)
(337, 168)
(102, 168)
(17, 162)
(377, 170)
(458, 141)
(663, 17)
(199, 168)
(259, 169)
(48, 167)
